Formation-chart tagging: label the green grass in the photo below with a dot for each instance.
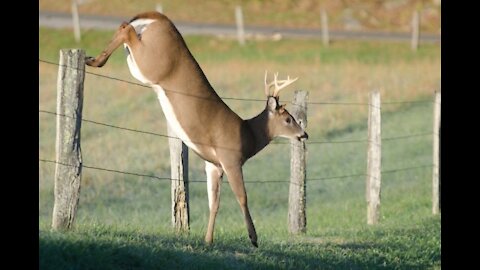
(114, 248)
(123, 221)
(284, 51)
(126, 224)
(387, 15)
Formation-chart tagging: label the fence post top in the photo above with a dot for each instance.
(73, 50)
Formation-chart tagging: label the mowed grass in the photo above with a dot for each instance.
(124, 221)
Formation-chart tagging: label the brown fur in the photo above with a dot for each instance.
(220, 135)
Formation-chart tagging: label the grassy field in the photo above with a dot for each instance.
(387, 15)
(123, 221)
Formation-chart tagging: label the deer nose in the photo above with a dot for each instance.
(304, 136)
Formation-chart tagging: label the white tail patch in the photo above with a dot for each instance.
(140, 25)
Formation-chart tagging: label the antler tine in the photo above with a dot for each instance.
(284, 83)
(267, 85)
(267, 88)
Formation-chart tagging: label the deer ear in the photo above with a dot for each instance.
(272, 104)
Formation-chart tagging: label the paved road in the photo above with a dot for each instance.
(64, 20)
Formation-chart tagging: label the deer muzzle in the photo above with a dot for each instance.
(304, 136)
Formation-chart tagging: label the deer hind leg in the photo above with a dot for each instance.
(235, 178)
(125, 33)
(214, 176)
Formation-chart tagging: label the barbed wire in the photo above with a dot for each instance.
(239, 99)
(249, 182)
(406, 136)
(110, 125)
(407, 101)
(153, 176)
(272, 143)
(323, 142)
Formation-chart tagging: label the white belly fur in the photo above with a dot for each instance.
(164, 102)
(134, 70)
(140, 26)
(172, 118)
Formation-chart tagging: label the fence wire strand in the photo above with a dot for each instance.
(273, 181)
(239, 99)
(272, 143)
(109, 125)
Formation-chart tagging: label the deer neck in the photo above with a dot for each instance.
(258, 127)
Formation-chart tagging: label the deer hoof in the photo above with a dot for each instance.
(254, 240)
(89, 60)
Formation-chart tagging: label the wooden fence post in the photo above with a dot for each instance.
(374, 158)
(324, 19)
(159, 7)
(76, 21)
(68, 169)
(239, 22)
(179, 176)
(415, 30)
(436, 154)
(297, 215)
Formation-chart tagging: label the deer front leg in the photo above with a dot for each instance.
(214, 176)
(235, 178)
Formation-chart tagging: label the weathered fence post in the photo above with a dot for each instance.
(374, 158)
(324, 19)
(68, 169)
(76, 21)
(239, 22)
(436, 154)
(159, 7)
(297, 215)
(415, 30)
(179, 176)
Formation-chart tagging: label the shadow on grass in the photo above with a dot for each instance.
(104, 249)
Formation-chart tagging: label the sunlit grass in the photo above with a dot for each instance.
(393, 16)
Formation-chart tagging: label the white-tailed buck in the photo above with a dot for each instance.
(158, 56)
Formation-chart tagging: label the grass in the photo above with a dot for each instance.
(123, 221)
(113, 248)
(387, 15)
(125, 225)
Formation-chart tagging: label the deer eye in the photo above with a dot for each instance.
(288, 120)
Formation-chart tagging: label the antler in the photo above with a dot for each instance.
(284, 83)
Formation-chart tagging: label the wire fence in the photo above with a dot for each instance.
(249, 181)
(354, 141)
(274, 142)
(245, 99)
(66, 164)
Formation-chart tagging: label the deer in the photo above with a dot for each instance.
(158, 56)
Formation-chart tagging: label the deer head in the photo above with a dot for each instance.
(280, 122)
